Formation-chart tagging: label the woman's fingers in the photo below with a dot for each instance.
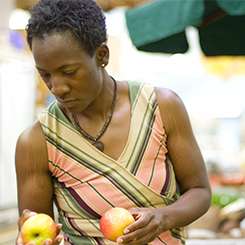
(58, 228)
(136, 232)
(140, 236)
(59, 236)
(142, 221)
(26, 214)
(143, 240)
(19, 240)
(146, 227)
(58, 239)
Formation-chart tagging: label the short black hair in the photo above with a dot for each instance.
(83, 18)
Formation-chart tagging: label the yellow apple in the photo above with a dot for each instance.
(38, 228)
(114, 221)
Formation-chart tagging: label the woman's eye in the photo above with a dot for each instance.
(71, 72)
(44, 75)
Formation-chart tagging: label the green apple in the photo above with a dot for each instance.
(38, 228)
(114, 221)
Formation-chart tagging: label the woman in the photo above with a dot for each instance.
(104, 143)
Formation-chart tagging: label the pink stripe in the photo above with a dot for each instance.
(83, 204)
(159, 175)
(112, 193)
(69, 165)
(107, 191)
(145, 169)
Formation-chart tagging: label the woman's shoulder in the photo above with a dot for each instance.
(167, 97)
(32, 137)
(31, 150)
(172, 108)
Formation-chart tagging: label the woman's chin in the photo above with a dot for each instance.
(71, 107)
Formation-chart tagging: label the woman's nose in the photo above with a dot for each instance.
(59, 88)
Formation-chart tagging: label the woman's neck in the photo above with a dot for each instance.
(102, 105)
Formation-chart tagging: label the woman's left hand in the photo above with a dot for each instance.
(149, 223)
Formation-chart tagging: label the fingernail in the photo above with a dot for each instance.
(126, 231)
(32, 213)
(59, 225)
(119, 240)
(48, 242)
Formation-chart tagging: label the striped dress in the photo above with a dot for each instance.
(87, 182)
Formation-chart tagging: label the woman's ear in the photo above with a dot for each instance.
(102, 55)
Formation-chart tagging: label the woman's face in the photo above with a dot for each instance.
(70, 73)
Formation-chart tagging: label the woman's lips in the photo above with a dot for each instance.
(67, 102)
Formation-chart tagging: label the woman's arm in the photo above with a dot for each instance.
(187, 161)
(34, 184)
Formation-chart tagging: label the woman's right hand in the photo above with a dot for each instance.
(26, 214)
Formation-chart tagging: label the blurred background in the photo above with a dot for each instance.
(209, 80)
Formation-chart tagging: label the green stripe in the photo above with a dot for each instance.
(55, 109)
(66, 123)
(77, 237)
(79, 212)
(141, 148)
(160, 239)
(154, 162)
(72, 203)
(142, 132)
(66, 226)
(134, 91)
(82, 240)
(172, 180)
(177, 234)
(146, 137)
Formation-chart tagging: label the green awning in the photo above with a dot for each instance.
(160, 26)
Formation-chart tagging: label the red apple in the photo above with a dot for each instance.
(38, 228)
(114, 221)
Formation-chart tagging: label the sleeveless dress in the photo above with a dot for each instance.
(87, 182)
